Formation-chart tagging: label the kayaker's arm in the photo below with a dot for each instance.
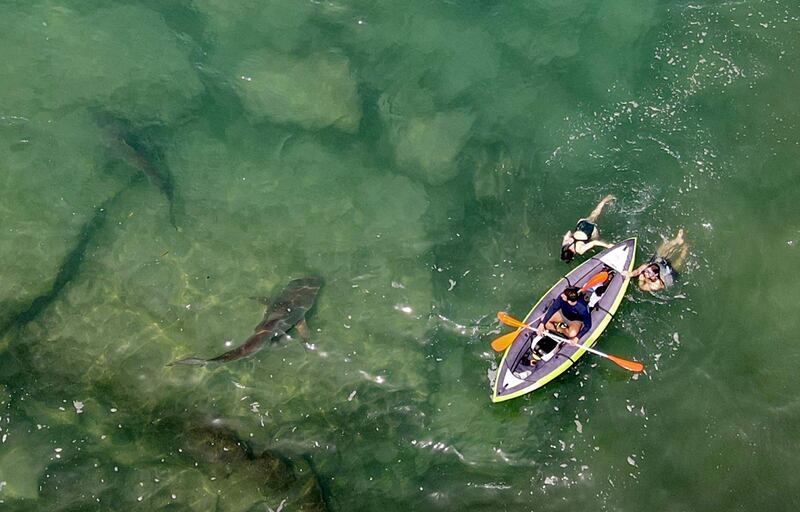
(587, 324)
(554, 306)
(586, 319)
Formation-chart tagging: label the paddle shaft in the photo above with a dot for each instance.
(624, 363)
(564, 340)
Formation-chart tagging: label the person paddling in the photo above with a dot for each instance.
(585, 236)
(568, 315)
(660, 271)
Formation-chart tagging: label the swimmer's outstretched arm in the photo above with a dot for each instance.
(638, 270)
(582, 248)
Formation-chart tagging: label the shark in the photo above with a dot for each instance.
(140, 154)
(132, 152)
(285, 312)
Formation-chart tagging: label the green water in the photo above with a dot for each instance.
(424, 158)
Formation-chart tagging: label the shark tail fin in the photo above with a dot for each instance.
(189, 361)
(172, 216)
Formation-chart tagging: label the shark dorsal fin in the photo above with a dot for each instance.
(302, 329)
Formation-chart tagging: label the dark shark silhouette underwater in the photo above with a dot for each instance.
(286, 311)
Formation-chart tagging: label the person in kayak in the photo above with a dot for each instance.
(660, 271)
(585, 236)
(568, 316)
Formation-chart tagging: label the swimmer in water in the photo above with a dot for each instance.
(585, 236)
(660, 272)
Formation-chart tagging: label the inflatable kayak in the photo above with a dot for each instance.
(532, 361)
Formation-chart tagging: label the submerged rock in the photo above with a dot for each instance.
(251, 23)
(315, 92)
(405, 102)
(124, 57)
(221, 449)
(494, 169)
(623, 22)
(53, 188)
(24, 454)
(428, 146)
(270, 206)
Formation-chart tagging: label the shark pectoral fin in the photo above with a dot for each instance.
(266, 302)
(302, 329)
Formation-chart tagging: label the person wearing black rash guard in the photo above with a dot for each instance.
(660, 272)
(568, 315)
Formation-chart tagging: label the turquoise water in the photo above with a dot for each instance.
(162, 164)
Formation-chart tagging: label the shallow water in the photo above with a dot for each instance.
(424, 161)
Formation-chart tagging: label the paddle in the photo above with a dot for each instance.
(504, 341)
(600, 277)
(624, 363)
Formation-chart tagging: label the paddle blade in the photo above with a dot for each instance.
(509, 320)
(628, 365)
(595, 280)
(504, 341)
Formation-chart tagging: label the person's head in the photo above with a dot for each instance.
(567, 253)
(650, 279)
(571, 294)
(652, 273)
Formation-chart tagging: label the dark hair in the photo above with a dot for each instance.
(567, 254)
(572, 293)
(655, 267)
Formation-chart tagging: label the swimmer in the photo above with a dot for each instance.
(585, 236)
(660, 272)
